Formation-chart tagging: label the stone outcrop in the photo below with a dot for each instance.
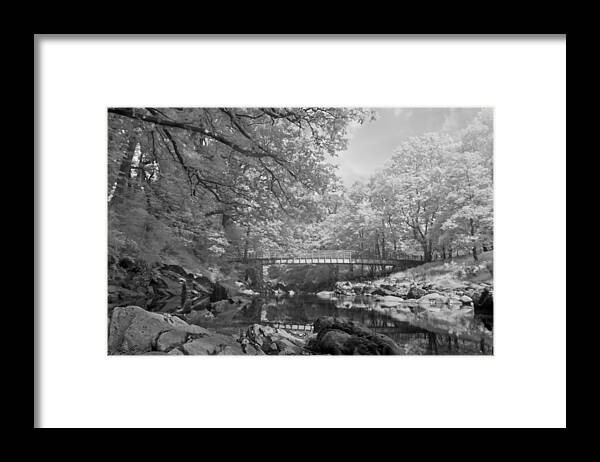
(133, 330)
(165, 288)
(157, 287)
(341, 337)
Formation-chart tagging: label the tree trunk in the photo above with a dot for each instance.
(393, 233)
(427, 250)
(472, 223)
(382, 238)
(124, 172)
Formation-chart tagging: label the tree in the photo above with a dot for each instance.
(219, 179)
(471, 172)
(416, 172)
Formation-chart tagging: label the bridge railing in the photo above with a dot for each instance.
(357, 255)
(332, 254)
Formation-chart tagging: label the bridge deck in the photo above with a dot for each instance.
(339, 261)
(340, 257)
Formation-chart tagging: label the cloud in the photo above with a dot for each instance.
(458, 118)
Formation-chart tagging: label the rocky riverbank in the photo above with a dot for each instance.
(135, 331)
(168, 288)
(166, 309)
(474, 298)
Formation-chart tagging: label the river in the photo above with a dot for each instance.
(442, 331)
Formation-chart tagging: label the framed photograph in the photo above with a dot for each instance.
(274, 231)
(336, 231)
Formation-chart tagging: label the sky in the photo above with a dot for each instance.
(373, 143)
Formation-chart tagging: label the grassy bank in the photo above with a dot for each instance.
(461, 269)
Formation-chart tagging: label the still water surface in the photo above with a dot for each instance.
(440, 332)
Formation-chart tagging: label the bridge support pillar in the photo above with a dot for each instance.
(254, 276)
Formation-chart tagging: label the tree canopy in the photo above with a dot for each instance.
(197, 184)
(214, 179)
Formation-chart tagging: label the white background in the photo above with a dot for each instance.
(523, 384)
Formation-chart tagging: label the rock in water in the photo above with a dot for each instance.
(340, 337)
(333, 342)
(325, 294)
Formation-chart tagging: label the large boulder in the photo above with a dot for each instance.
(333, 342)
(171, 339)
(215, 344)
(133, 330)
(341, 337)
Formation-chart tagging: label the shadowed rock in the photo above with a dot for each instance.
(484, 304)
(341, 337)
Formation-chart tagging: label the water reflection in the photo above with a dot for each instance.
(442, 331)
